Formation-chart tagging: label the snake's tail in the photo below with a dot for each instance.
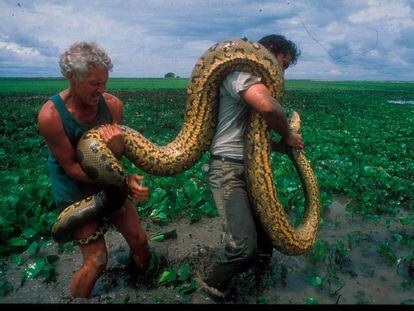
(295, 122)
(90, 209)
(263, 196)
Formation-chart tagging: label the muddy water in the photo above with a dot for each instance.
(361, 275)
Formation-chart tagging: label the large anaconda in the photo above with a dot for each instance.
(194, 139)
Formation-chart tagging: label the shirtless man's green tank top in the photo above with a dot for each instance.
(66, 190)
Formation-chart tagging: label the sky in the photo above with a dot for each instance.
(339, 40)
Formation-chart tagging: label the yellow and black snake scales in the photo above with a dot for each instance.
(194, 139)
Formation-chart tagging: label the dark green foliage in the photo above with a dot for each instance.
(358, 145)
(169, 75)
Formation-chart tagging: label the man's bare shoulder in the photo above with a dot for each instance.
(49, 119)
(48, 112)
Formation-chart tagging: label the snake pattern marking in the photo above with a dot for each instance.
(195, 138)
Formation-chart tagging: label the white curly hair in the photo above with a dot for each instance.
(81, 57)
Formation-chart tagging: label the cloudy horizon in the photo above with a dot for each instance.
(339, 40)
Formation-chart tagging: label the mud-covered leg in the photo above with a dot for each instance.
(129, 225)
(95, 258)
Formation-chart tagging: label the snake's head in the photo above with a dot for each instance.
(294, 124)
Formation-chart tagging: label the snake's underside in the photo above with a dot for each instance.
(195, 138)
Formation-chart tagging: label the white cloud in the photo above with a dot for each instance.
(15, 48)
(148, 38)
(393, 13)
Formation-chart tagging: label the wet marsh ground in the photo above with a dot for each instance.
(353, 262)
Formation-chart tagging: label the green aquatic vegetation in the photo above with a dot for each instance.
(311, 301)
(179, 279)
(5, 288)
(386, 253)
(341, 253)
(43, 266)
(358, 145)
(319, 252)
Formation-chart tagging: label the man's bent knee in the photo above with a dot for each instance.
(97, 262)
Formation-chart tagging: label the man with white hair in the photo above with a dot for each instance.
(62, 121)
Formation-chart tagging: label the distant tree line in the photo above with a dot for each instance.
(171, 75)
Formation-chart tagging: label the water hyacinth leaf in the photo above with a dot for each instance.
(12, 200)
(33, 248)
(186, 288)
(388, 220)
(18, 260)
(164, 277)
(192, 191)
(29, 232)
(51, 218)
(311, 301)
(316, 281)
(32, 270)
(158, 237)
(209, 209)
(160, 216)
(173, 277)
(4, 221)
(184, 273)
(5, 288)
(398, 237)
(18, 241)
(158, 195)
(46, 244)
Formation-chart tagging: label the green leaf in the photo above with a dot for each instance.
(388, 220)
(18, 260)
(18, 241)
(51, 218)
(12, 199)
(316, 281)
(173, 276)
(32, 270)
(398, 237)
(184, 273)
(29, 232)
(311, 301)
(5, 288)
(164, 277)
(33, 248)
(186, 288)
(158, 237)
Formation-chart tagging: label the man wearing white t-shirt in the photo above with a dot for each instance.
(243, 237)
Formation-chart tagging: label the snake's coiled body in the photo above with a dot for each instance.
(195, 138)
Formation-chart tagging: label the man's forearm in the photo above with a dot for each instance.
(276, 119)
(76, 173)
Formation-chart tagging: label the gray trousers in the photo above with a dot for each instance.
(242, 234)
